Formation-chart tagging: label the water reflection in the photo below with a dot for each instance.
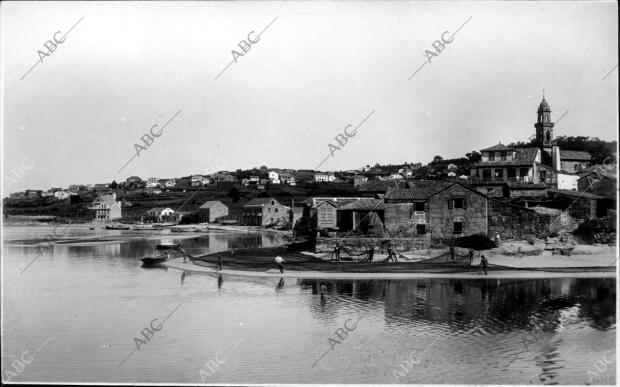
(496, 305)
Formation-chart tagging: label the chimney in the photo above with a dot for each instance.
(555, 157)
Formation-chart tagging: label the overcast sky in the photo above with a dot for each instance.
(317, 68)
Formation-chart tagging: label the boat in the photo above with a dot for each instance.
(117, 227)
(189, 229)
(163, 253)
(146, 226)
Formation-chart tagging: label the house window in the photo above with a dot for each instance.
(273, 203)
(418, 206)
(499, 173)
(276, 210)
(524, 172)
(502, 156)
(491, 156)
(486, 173)
(420, 229)
(576, 167)
(457, 228)
(543, 175)
(459, 203)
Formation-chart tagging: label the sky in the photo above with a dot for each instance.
(79, 115)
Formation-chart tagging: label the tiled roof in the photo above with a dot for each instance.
(418, 190)
(379, 185)
(498, 147)
(523, 156)
(574, 155)
(527, 185)
(364, 204)
(210, 204)
(575, 194)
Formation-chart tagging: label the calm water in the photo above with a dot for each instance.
(88, 302)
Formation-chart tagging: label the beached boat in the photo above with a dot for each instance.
(189, 229)
(146, 226)
(163, 253)
(117, 227)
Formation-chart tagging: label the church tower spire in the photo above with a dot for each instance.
(543, 125)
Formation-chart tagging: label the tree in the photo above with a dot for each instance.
(114, 184)
(437, 159)
(234, 194)
(473, 157)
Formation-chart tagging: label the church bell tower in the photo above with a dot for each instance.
(544, 126)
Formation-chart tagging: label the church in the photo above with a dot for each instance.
(544, 165)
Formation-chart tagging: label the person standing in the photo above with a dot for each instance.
(452, 251)
(337, 252)
(280, 262)
(471, 256)
(221, 262)
(391, 254)
(498, 240)
(484, 263)
(371, 253)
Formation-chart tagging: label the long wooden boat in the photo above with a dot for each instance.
(117, 227)
(189, 229)
(163, 253)
(146, 226)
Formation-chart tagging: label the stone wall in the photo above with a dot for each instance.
(515, 222)
(442, 217)
(397, 216)
(358, 245)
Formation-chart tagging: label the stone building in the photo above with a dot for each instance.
(406, 209)
(264, 212)
(457, 211)
(211, 210)
(448, 210)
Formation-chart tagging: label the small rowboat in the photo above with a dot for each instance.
(163, 253)
(117, 227)
(189, 229)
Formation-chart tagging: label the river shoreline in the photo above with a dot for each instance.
(477, 274)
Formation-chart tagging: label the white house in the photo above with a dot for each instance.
(396, 176)
(567, 180)
(170, 183)
(160, 212)
(452, 167)
(274, 177)
(287, 178)
(61, 195)
(406, 171)
(152, 182)
(325, 177)
(199, 180)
